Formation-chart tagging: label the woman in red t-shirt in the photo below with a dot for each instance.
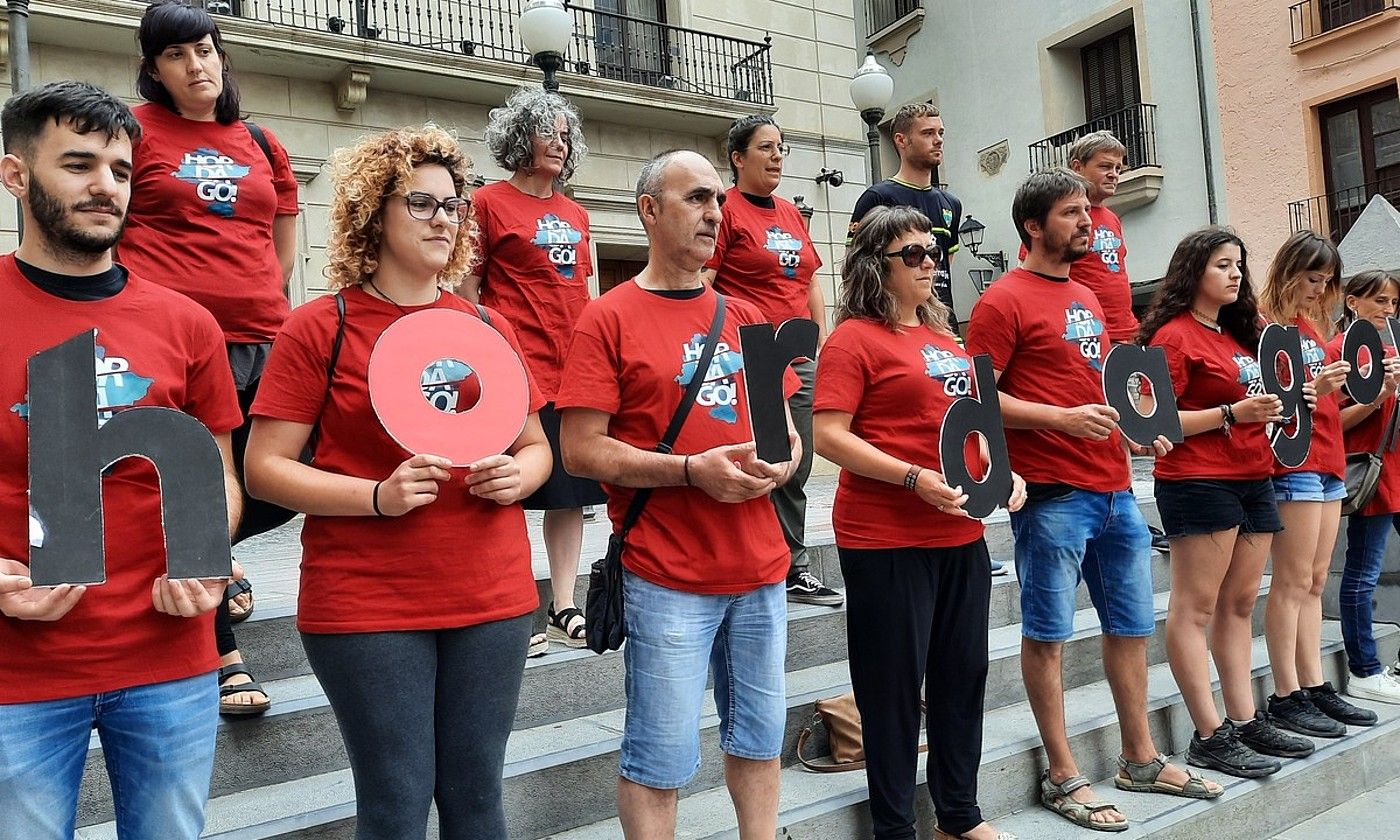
(533, 264)
(764, 255)
(1303, 290)
(918, 576)
(213, 216)
(416, 589)
(1372, 295)
(1216, 498)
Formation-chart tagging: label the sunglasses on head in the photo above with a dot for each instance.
(913, 255)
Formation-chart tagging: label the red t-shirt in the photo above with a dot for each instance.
(203, 198)
(534, 267)
(897, 387)
(765, 257)
(457, 561)
(1325, 453)
(154, 348)
(1366, 436)
(629, 359)
(1047, 339)
(1105, 271)
(1209, 369)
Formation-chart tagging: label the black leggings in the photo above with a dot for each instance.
(919, 616)
(425, 716)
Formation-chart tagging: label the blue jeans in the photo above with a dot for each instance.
(1366, 538)
(158, 742)
(674, 640)
(1100, 538)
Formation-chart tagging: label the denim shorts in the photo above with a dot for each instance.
(1309, 487)
(1209, 505)
(674, 640)
(1099, 538)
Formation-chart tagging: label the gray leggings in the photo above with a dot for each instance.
(425, 716)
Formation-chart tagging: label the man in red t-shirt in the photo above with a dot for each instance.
(1045, 335)
(706, 562)
(133, 658)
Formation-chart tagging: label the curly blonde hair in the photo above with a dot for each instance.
(364, 176)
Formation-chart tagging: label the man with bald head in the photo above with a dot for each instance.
(706, 564)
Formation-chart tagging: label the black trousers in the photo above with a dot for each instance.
(425, 716)
(918, 616)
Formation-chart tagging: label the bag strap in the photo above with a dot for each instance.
(806, 733)
(673, 431)
(330, 367)
(260, 137)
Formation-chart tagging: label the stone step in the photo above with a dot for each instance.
(558, 775)
(835, 805)
(272, 647)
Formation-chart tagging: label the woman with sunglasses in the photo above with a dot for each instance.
(763, 254)
(416, 587)
(916, 566)
(1303, 289)
(1373, 296)
(533, 264)
(213, 216)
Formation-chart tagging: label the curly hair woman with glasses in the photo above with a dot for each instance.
(416, 588)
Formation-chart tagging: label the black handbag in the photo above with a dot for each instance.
(1363, 471)
(607, 627)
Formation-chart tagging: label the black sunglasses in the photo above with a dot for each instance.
(913, 255)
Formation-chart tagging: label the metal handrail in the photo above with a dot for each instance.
(1332, 214)
(1134, 126)
(1312, 18)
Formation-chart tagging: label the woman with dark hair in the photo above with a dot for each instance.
(1372, 295)
(533, 264)
(1303, 290)
(416, 590)
(763, 254)
(917, 571)
(213, 216)
(1216, 498)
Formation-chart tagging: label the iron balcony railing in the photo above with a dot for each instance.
(604, 44)
(1311, 18)
(1134, 126)
(882, 13)
(1333, 214)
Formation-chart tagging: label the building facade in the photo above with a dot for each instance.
(1017, 82)
(646, 75)
(1308, 101)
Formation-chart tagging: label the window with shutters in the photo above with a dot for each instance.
(1110, 74)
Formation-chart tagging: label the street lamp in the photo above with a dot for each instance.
(971, 232)
(545, 27)
(871, 89)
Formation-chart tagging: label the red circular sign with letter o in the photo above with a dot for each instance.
(396, 367)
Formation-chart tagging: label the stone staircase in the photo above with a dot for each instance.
(286, 774)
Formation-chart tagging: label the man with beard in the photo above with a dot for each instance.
(133, 658)
(918, 137)
(1046, 338)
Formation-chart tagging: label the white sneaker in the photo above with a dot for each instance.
(1383, 687)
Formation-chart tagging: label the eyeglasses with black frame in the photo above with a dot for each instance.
(913, 254)
(424, 207)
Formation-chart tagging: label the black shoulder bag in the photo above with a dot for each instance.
(606, 625)
(1363, 473)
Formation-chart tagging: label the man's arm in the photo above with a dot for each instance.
(233, 489)
(1092, 421)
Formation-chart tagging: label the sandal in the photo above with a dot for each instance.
(1057, 798)
(225, 691)
(940, 834)
(1146, 778)
(539, 646)
(567, 626)
(234, 590)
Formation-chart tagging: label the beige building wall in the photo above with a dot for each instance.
(1269, 94)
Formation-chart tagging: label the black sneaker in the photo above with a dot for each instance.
(1297, 712)
(805, 588)
(1223, 751)
(1262, 736)
(1159, 539)
(1330, 703)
